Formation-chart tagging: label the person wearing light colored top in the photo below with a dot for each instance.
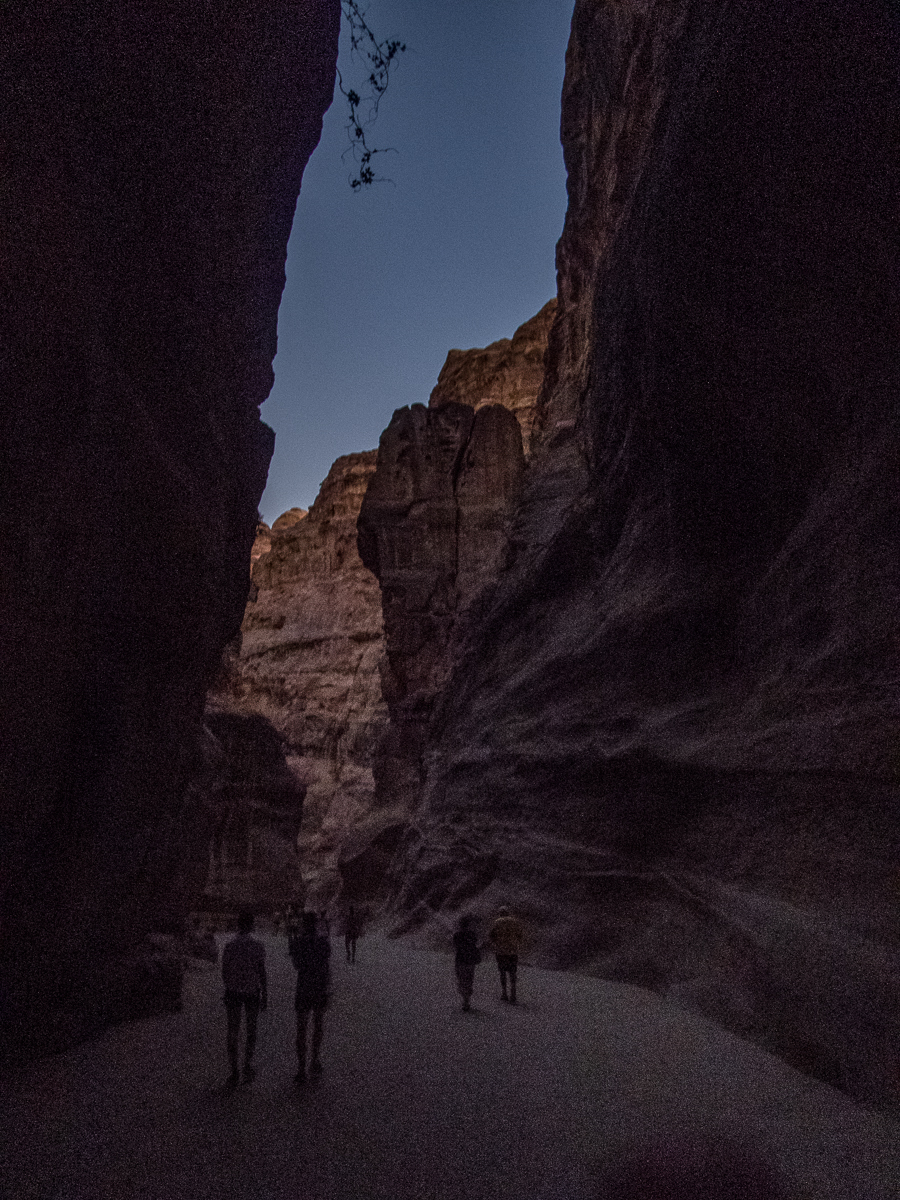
(506, 937)
(244, 976)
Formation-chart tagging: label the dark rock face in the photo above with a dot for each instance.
(432, 529)
(258, 804)
(153, 159)
(671, 739)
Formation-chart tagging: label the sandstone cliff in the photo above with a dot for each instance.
(152, 163)
(309, 662)
(431, 529)
(311, 659)
(508, 372)
(257, 802)
(671, 740)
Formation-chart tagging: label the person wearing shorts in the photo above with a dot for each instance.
(310, 951)
(244, 977)
(506, 937)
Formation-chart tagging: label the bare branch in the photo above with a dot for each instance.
(378, 56)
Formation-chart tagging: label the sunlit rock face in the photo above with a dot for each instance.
(311, 659)
(671, 740)
(508, 372)
(152, 160)
(309, 662)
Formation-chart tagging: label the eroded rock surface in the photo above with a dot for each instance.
(257, 799)
(152, 160)
(432, 529)
(309, 660)
(671, 740)
(508, 372)
(312, 658)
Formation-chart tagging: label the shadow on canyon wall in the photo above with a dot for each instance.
(667, 730)
(152, 164)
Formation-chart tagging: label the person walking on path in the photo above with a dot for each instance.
(244, 977)
(506, 937)
(468, 956)
(352, 930)
(311, 955)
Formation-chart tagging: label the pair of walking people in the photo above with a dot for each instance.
(244, 977)
(505, 938)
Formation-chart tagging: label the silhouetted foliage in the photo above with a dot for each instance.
(378, 57)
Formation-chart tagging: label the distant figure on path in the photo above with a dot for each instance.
(506, 937)
(244, 976)
(468, 956)
(311, 954)
(352, 930)
(292, 921)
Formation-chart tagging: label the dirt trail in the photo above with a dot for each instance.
(420, 1101)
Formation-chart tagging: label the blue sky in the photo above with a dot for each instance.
(456, 251)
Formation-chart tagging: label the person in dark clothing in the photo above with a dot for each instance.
(468, 956)
(352, 930)
(292, 921)
(244, 976)
(311, 955)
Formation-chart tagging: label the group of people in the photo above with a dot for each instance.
(309, 946)
(246, 988)
(505, 938)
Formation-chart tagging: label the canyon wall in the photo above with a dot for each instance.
(670, 738)
(311, 658)
(257, 801)
(153, 158)
(309, 662)
(432, 528)
(508, 372)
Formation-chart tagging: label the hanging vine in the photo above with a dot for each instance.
(378, 56)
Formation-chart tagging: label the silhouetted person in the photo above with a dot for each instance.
(352, 930)
(468, 956)
(506, 936)
(311, 954)
(324, 923)
(244, 976)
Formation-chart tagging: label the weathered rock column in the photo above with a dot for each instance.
(432, 529)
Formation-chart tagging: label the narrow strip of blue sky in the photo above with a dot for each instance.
(455, 252)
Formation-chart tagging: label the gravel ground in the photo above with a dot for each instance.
(420, 1101)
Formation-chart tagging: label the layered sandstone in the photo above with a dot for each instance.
(671, 740)
(432, 529)
(152, 161)
(257, 799)
(311, 659)
(309, 663)
(508, 372)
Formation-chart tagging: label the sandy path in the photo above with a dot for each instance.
(420, 1101)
